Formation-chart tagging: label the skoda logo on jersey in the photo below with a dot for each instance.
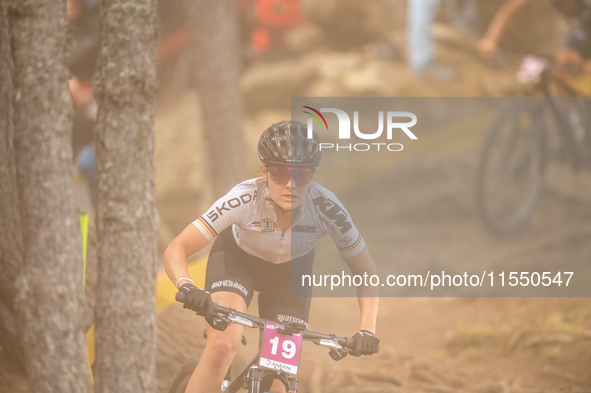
(395, 121)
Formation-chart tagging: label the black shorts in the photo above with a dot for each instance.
(232, 269)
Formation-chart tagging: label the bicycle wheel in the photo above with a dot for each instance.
(512, 167)
(181, 379)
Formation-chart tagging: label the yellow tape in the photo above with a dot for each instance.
(84, 230)
(581, 85)
(89, 346)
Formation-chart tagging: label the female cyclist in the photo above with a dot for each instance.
(262, 227)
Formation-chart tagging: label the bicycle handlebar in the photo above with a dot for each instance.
(233, 316)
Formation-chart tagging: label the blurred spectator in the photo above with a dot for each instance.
(266, 23)
(489, 44)
(463, 14)
(173, 58)
(576, 50)
(84, 17)
(420, 44)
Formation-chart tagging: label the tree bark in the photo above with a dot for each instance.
(10, 229)
(50, 279)
(216, 61)
(126, 213)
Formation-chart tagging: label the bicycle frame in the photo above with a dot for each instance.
(253, 375)
(548, 85)
(502, 213)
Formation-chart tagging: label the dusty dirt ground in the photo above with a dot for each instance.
(435, 345)
(447, 344)
(485, 345)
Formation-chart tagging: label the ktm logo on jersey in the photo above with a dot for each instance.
(334, 212)
(304, 228)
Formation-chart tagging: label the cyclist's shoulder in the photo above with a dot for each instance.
(317, 189)
(243, 193)
(330, 213)
(252, 185)
(319, 194)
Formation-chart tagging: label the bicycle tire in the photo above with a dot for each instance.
(520, 144)
(182, 377)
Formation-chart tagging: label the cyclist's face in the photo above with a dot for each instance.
(288, 194)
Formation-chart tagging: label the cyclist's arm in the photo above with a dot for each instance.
(232, 208)
(183, 246)
(488, 44)
(367, 297)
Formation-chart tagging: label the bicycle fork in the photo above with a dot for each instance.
(255, 377)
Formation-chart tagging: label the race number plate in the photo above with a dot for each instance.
(280, 351)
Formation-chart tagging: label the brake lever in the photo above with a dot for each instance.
(336, 356)
(218, 322)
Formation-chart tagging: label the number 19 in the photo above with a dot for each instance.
(288, 346)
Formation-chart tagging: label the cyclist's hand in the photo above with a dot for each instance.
(197, 299)
(365, 343)
(487, 48)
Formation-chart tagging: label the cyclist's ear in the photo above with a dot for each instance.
(264, 171)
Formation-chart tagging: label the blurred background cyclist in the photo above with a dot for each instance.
(575, 54)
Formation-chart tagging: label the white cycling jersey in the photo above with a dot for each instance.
(254, 223)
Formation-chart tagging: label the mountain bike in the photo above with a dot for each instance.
(278, 358)
(519, 144)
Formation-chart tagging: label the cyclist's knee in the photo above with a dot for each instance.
(224, 345)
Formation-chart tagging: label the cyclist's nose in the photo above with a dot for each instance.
(291, 183)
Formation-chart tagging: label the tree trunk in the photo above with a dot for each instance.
(50, 283)
(10, 229)
(126, 213)
(216, 61)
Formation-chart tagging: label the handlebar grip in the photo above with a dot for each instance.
(349, 343)
(180, 297)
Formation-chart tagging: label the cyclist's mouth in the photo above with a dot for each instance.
(289, 198)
